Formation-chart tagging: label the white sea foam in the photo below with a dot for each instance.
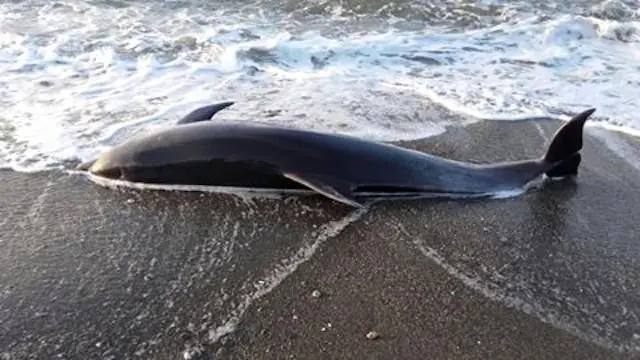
(76, 78)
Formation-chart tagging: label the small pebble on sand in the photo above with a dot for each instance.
(316, 293)
(372, 335)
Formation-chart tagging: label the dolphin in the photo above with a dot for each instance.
(344, 168)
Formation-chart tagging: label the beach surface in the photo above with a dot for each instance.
(88, 272)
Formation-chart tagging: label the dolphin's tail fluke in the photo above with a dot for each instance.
(564, 150)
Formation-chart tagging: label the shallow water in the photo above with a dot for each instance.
(77, 77)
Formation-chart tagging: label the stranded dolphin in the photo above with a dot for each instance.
(343, 168)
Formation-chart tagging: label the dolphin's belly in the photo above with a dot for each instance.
(210, 173)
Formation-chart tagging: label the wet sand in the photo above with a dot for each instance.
(90, 272)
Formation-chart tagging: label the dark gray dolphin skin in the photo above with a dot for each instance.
(343, 168)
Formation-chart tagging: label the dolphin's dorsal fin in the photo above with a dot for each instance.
(334, 189)
(204, 113)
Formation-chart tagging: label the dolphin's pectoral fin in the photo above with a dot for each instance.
(204, 113)
(334, 189)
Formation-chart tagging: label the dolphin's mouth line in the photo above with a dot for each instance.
(84, 166)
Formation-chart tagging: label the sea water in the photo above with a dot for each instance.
(77, 77)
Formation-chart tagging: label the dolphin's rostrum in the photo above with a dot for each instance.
(343, 168)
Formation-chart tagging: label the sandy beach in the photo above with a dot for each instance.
(88, 272)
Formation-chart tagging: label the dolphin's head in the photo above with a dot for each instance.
(85, 166)
(102, 166)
